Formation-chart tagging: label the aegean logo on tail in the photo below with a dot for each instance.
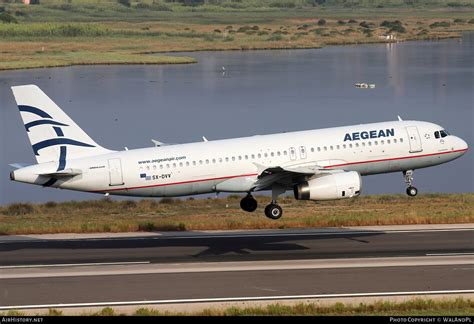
(369, 134)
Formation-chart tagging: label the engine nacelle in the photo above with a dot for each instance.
(330, 186)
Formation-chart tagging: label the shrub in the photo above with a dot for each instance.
(146, 227)
(169, 200)
(471, 21)
(341, 22)
(50, 204)
(459, 21)
(142, 5)
(364, 24)
(217, 30)
(440, 24)
(276, 37)
(6, 18)
(321, 22)
(19, 209)
(125, 3)
(352, 21)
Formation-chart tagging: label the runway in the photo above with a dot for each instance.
(183, 268)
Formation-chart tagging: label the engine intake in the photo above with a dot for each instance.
(330, 187)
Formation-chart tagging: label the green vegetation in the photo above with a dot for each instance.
(414, 307)
(65, 32)
(168, 214)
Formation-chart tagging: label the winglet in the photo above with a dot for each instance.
(204, 139)
(399, 118)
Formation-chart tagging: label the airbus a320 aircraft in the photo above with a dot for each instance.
(324, 164)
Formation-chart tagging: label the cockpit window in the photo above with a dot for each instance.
(437, 134)
(443, 133)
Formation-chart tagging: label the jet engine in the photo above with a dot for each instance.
(330, 186)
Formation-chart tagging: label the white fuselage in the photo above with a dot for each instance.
(233, 165)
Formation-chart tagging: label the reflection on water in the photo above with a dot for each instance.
(229, 94)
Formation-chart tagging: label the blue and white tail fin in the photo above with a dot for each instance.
(53, 135)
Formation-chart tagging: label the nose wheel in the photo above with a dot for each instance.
(411, 191)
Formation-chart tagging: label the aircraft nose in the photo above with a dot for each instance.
(462, 145)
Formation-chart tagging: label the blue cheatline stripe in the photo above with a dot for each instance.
(42, 122)
(62, 158)
(59, 131)
(34, 110)
(58, 141)
(50, 182)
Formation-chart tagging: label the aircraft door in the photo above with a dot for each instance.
(292, 153)
(414, 139)
(115, 172)
(302, 152)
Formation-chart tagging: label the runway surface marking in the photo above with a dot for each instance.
(231, 299)
(13, 272)
(72, 265)
(448, 254)
(342, 232)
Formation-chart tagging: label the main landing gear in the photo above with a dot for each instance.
(248, 203)
(272, 211)
(411, 191)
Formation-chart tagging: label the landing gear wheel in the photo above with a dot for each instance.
(249, 204)
(273, 211)
(412, 191)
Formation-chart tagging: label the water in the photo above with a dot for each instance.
(257, 92)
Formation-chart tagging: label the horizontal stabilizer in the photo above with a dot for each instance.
(62, 173)
(19, 165)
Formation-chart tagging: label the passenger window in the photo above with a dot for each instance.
(265, 155)
(319, 149)
(161, 166)
(394, 140)
(344, 146)
(259, 155)
(154, 167)
(370, 143)
(240, 157)
(187, 163)
(148, 167)
(312, 149)
(213, 160)
(401, 140)
(325, 148)
(363, 143)
(284, 153)
(233, 158)
(338, 147)
(332, 148)
(278, 153)
(181, 164)
(272, 154)
(207, 161)
(350, 145)
(200, 162)
(194, 163)
(174, 165)
(357, 144)
(388, 141)
(227, 159)
(168, 166)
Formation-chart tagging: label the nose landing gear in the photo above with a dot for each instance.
(411, 191)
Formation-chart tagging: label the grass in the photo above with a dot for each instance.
(414, 307)
(107, 215)
(59, 33)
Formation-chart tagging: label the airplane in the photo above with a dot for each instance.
(318, 165)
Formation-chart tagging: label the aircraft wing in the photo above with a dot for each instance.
(288, 176)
